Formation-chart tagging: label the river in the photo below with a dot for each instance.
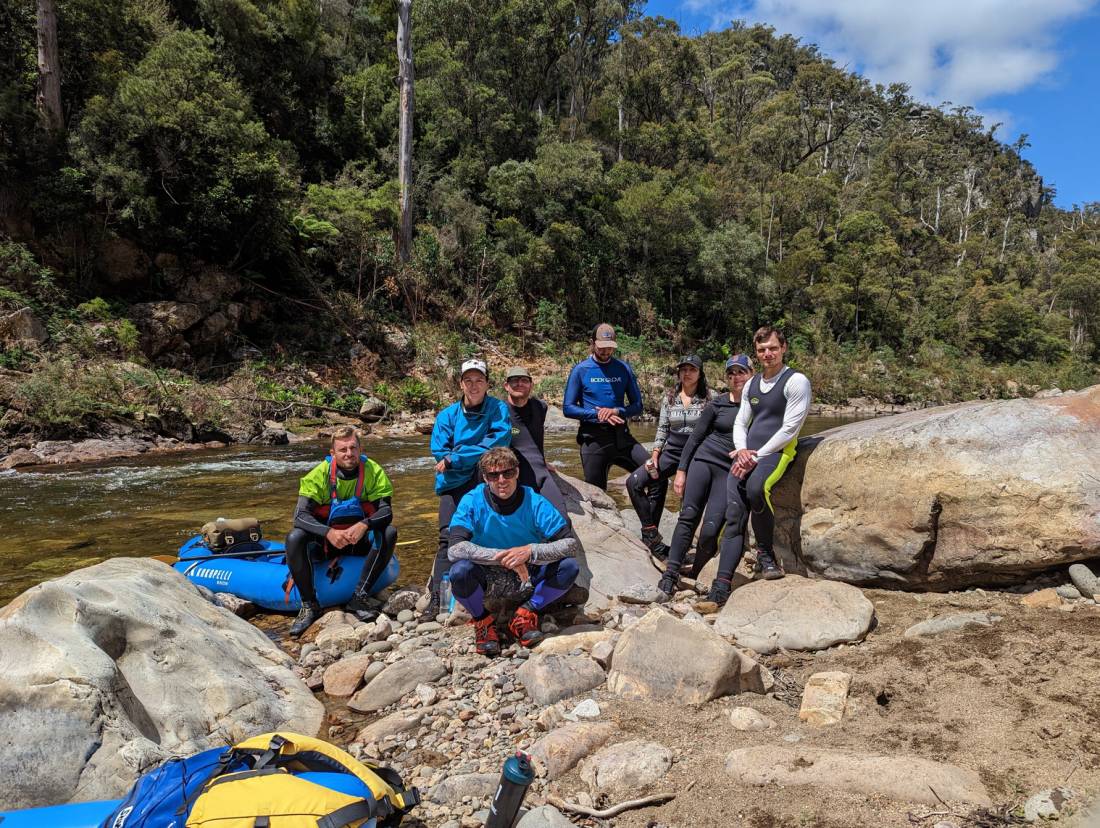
(58, 520)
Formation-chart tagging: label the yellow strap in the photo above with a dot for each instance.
(297, 743)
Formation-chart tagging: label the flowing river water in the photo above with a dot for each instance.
(57, 520)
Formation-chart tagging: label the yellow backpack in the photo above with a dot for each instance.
(270, 794)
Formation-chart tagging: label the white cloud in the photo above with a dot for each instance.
(946, 50)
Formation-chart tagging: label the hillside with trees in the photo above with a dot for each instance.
(214, 183)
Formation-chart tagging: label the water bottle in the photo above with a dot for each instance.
(515, 778)
(446, 597)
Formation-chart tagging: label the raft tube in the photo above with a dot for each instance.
(92, 814)
(264, 578)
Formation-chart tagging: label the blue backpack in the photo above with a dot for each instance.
(163, 796)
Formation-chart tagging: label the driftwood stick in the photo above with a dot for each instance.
(607, 813)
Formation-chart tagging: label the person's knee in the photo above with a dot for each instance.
(757, 495)
(389, 537)
(637, 481)
(709, 531)
(464, 575)
(689, 514)
(296, 541)
(568, 570)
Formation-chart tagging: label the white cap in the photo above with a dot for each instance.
(474, 365)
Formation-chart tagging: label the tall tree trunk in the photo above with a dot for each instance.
(620, 133)
(49, 68)
(404, 165)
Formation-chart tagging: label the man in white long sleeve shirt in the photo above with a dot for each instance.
(774, 406)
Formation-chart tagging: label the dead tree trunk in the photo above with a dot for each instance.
(49, 68)
(405, 82)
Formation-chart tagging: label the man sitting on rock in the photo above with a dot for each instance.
(343, 509)
(507, 540)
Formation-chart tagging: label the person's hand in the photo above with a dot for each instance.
(515, 557)
(355, 532)
(522, 572)
(655, 455)
(744, 461)
(338, 538)
(605, 414)
(616, 420)
(679, 482)
(441, 466)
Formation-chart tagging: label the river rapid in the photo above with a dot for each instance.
(56, 520)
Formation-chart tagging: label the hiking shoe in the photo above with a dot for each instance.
(309, 613)
(767, 567)
(432, 610)
(364, 607)
(525, 627)
(669, 582)
(720, 590)
(485, 636)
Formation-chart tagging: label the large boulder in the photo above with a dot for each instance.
(550, 678)
(21, 327)
(111, 669)
(980, 492)
(612, 558)
(626, 767)
(650, 664)
(795, 613)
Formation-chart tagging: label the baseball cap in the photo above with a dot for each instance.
(474, 365)
(515, 372)
(738, 361)
(605, 336)
(690, 359)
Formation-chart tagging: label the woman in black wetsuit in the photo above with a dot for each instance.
(648, 484)
(701, 482)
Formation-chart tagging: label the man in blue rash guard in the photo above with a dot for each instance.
(597, 394)
(462, 433)
(507, 540)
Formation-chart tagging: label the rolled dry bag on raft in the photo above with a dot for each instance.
(238, 534)
(277, 780)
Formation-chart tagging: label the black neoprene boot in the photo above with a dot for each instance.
(769, 569)
(309, 613)
(669, 582)
(720, 590)
(652, 541)
(363, 607)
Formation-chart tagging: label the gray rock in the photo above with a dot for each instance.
(546, 816)
(951, 623)
(1084, 579)
(587, 709)
(747, 719)
(974, 493)
(626, 767)
(405, 615)
(649, 663)
(403, 599)
(452, 789)
(549, 678)
(904, 778)
(559, 750)
(395, 724)
(642, 594)
(1047, 804)
(1068, 591)
(378, 647)
(111, 669)
(22, 327)
(375, 669)
(795, 613)
(398, 680)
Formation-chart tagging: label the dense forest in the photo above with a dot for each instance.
(217, 178)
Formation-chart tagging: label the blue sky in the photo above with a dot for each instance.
(1032, 65)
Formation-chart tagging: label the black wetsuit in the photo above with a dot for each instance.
(753, 494)
(706, 459)
(307, 539)
(528, 432)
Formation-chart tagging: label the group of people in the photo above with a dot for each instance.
(504, 531)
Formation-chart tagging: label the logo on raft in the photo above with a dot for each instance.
(219, 575)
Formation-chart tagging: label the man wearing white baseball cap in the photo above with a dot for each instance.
(463, 432)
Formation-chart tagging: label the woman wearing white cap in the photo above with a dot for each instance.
(463, 432)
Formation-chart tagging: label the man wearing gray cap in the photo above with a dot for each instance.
(463, 431)
(528, 431)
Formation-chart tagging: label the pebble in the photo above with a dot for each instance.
(378, 647)
(405, 615)
(429, 627)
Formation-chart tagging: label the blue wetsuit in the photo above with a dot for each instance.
(593, 385)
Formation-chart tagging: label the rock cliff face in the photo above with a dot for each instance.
(111, 669)
(980, 492)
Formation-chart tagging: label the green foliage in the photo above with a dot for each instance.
(96, 310)
(68, 396)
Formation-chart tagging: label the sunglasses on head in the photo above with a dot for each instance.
(507, 474)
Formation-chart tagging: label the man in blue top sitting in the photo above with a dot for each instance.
(597, 394)
(507, 540)
(462, 433)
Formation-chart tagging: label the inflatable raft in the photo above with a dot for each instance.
(92, 814)
(261, 575)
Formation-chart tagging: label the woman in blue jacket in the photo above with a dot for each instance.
(462, 433)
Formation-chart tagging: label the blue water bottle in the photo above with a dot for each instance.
(515, 779)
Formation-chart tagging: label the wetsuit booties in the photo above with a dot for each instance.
(309, 613)
(670, 582)
(653, 541)
(767, 567)
(720, 590)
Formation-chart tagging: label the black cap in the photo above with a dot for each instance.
(690, 359)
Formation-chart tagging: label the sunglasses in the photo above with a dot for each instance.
(507, 474)
(737, 372)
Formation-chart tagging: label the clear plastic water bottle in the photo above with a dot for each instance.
(446, 597)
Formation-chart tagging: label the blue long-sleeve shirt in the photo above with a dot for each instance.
(594, 385)
(461, 435)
